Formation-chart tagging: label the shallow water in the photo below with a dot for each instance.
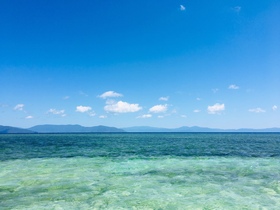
(140, 171)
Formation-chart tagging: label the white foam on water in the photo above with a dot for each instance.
(135, 183)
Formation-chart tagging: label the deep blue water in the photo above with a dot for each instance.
(139, 144)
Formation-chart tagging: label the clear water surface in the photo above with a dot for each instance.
(140, 171)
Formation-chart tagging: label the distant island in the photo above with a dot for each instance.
(106, 129)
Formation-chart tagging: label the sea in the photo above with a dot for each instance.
(140, 171)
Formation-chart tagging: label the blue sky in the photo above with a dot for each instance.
(131, 63)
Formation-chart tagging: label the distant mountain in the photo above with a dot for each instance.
(102, 129)
(146, 129)
(195, 129)
(73, 129)
(180, 129)
(258, 130)
(9, 129)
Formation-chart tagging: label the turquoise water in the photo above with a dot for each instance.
(140, 171)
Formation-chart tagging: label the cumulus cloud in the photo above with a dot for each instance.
(145, 116)
(216, 108)
(19, 107)
(233, 87)
(164, 98)
(274, 108)
(102, 116)
(110, 94)
(256, 110)
(29, 117)
(182, 7)
(83, 109)
(158, 108)
(122, 107)
(196, 110)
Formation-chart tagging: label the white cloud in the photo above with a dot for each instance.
(110, 94)
(160, 116)
(274, 108)
(158, 108)
(122, 107)
(102, 116)
(19, 107)
(183, 116)
(29, 117)
(198, 99)
(54, 111)
(164, 98)
(145, 116)
(233, 87)
(216, 108)
(57, 112)
(196, 110)
(182, 8)
(256, 110)
(83, 109)
(66, 97)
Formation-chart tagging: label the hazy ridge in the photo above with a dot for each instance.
(195, 129)
(102, 129)
(10, 129)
